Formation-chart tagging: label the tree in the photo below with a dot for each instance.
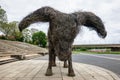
(11, 31)
(13, 28)
(8, 28)
(39, 38)
(3, 16)
(5, 28)
(27, 35)
(14, 31)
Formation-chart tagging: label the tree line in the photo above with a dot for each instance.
(10, 31)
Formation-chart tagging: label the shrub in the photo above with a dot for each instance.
(39, 38)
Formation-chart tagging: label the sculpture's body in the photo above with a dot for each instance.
(62, 32)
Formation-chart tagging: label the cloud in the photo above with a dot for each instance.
(108, 10)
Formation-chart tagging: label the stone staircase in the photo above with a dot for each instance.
(14, 47)
(13, 50)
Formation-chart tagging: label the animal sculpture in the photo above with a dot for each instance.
(63, 28)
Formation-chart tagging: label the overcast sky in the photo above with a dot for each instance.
(108, 10)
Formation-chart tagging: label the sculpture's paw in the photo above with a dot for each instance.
(72, 74)
(53, 65)
(65, 66)
(49, 72)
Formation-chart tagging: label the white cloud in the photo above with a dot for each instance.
(108, 10)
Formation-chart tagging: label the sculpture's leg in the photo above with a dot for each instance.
(54, 60)
(49, 69)
(70, 68)
(65, 64)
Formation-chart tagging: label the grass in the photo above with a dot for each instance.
(89, 52)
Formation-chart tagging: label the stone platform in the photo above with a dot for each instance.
(35, 70)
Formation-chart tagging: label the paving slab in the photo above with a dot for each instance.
(35, 70)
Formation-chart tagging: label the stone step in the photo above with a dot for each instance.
(13, 58)
(7, 60)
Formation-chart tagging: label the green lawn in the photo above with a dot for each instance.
(108, 52)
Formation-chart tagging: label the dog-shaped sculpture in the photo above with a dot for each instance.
(62, 31)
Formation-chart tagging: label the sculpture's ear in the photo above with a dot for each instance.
(41, 15)
(95, 22)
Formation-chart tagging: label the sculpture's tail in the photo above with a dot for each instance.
(90, 20)
(44, 14)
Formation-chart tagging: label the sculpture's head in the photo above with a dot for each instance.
(63, 50)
